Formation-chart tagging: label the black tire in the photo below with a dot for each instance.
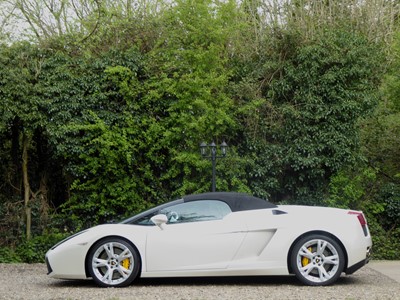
(113, 262)
(317, 260)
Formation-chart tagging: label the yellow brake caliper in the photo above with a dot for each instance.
(126, 263)
(305, 261)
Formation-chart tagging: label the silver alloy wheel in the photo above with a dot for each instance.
(318, 261)
(112, 263)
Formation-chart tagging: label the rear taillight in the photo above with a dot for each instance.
(361, 219)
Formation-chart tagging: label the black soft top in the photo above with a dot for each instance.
(236, 201)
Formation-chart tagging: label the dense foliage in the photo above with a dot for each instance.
(102, 113)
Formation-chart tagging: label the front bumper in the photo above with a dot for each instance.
(49, 269)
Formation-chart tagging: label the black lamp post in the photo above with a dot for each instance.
(210, 151)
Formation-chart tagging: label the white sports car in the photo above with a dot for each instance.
(217, 234)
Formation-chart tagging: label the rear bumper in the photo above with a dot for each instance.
(360, 264)
(357, 266)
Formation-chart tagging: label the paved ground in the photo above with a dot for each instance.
(387, 267)
(24, 281)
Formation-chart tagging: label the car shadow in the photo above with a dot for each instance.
(204, 281)
(229, 280)
(234, 280)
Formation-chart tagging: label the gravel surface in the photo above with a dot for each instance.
(24, 281)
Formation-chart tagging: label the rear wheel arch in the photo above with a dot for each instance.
(105, 238)
(325, 233)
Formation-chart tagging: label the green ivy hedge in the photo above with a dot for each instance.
(32, 251)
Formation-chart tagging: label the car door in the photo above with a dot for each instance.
(199, 235)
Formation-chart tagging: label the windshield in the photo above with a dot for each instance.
(143, 218)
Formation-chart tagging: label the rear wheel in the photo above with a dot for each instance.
(113, 262)
(317, 260)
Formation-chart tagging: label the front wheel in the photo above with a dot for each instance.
(113, 262)
(317, 260)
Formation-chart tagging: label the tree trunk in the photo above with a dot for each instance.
(44, 203)
(27, 188)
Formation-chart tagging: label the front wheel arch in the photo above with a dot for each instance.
(311, 233)
(107, 237)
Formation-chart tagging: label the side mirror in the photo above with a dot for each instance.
(159, 220)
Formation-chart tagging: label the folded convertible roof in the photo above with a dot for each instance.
(236, 201)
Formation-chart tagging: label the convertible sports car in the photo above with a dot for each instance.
(217, 234)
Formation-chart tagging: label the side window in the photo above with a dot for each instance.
(196, 211)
